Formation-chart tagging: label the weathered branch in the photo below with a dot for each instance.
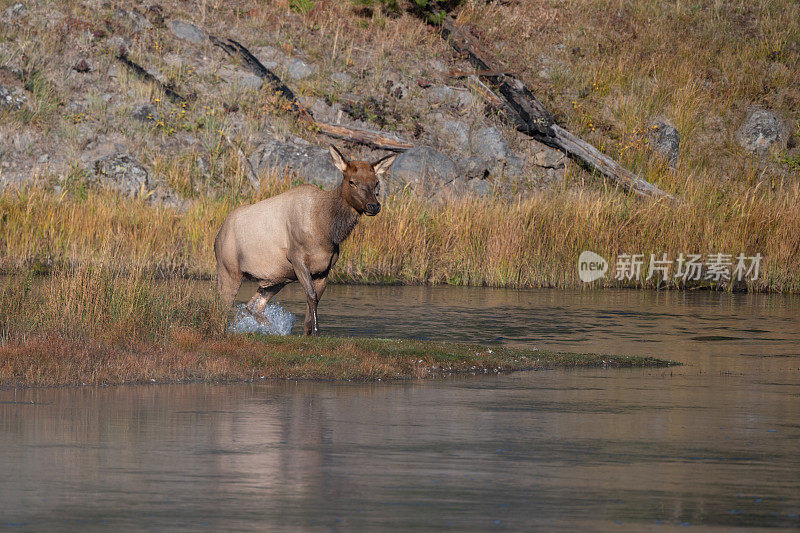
(146, 76)
(529, 116)
(364, 136)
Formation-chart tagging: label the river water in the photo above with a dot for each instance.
(713, 443)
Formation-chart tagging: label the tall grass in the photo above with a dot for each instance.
(92, 301)
(527, 242)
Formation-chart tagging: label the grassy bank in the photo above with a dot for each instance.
(92, 325)
(529, 242)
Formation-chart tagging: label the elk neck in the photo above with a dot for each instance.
(343, 217)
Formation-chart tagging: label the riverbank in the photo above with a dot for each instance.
(526, 242)
(44, 361)
(93, 325)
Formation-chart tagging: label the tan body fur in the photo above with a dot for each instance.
(295, 236)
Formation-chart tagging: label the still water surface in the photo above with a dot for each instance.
(713, 443)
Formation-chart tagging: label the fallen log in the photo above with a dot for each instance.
(146, 76)
(530, 116)
(374, 139)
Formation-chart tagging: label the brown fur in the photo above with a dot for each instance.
(295, 236)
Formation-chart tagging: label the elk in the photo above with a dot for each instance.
(295, 236)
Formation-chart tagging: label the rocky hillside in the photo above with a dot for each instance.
(194, 121)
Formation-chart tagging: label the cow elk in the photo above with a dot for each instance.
(295, 236)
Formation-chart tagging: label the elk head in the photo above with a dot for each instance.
(360, 185)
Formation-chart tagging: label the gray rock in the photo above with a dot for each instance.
(465, 98)
(493, 156)
(322, 111)
(145, 113)
(118, 43)
(174, 60)
(133, 20)
(437, 65)
(342, 78)
(479, 187)
(187, 31)
(443, 93)
(15, 11)
(476, 167)
(13, 97)
(760, 131)
(513, 166)
(299, 69)
(240, 78)
(101, 148)
(549, 158)
(121, 172)
(423, 169)
(457, 132)
(395, 85)
(268, 52)
(251, 81)
(489, 142)
(665, 139)
(311, 163)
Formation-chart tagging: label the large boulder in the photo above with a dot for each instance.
(760, 131)
(123, 173)
(489, 144)
(311, 163)
(423, 170)
(120, 171)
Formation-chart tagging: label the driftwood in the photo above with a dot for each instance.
(146, 76)
(521, 108)
(364, 136)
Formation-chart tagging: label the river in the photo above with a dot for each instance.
(715, 442)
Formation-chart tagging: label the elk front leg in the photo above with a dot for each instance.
(258, 303)
(310, 326)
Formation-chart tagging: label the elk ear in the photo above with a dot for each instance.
(338, 159)
(383, 164)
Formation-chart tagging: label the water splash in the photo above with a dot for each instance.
(261, 317)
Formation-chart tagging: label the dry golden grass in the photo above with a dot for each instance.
(524, 243)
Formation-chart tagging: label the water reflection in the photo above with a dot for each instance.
(711, 443)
